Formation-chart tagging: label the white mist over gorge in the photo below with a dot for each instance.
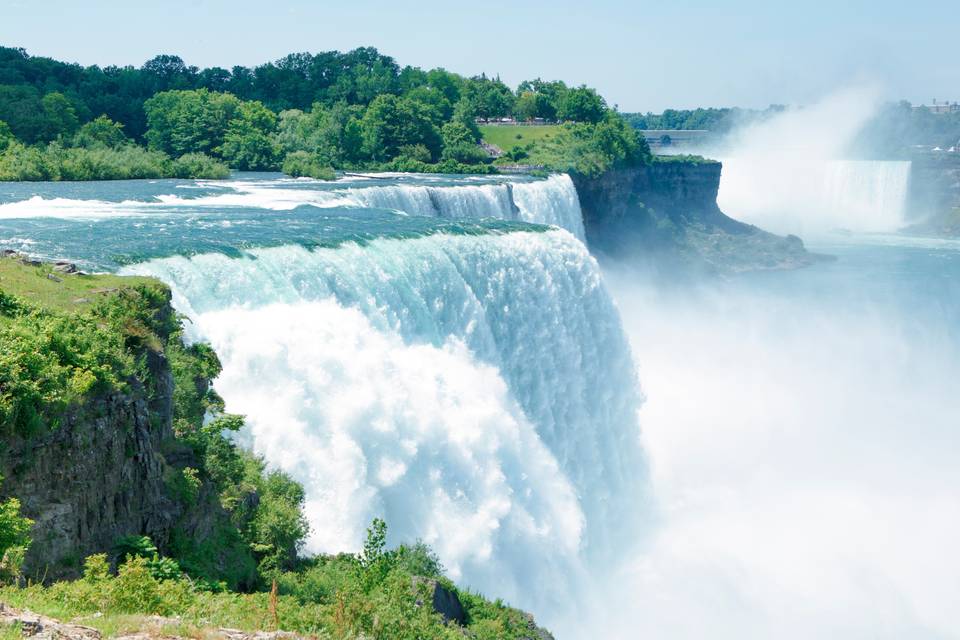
(791, 173)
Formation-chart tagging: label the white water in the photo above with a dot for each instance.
(552, 201)
(476, 391)
(813, 196)
(790, 173)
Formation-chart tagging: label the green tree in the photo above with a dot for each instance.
(435, 103)
(6, 136)
(249, 143)
(333, 136)
(460, 144)
(100, 132)
(391, 123)
(530, 105)
(59, 116)
(582, 105)
(189, 121)
(488, 98)
(20, 108)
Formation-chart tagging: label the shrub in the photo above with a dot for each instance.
(14, 538)
(199, 165)
(302, 164)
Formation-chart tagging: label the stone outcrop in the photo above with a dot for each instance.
(666, 214)
(102, 473)
(444, 601)
(40, 627)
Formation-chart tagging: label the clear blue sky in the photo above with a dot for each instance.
(641, 55)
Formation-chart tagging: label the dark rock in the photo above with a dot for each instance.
(444, 601)
(50, 276)
(101, 473)
(65, 267)
(30, 262)
(666, 215)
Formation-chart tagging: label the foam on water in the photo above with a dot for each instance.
(476, 391)
(550, 201)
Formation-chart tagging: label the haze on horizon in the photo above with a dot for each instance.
(642, 56)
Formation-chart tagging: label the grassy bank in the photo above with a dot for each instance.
(507, 137)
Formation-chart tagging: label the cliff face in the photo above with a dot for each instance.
(933, 200)
(105, 472)
(95, 478)
(666, 213)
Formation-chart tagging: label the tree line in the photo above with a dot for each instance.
(305, 113)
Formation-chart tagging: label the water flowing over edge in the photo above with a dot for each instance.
(551, 201)
(477, 391)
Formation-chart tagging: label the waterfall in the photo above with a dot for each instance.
(810, 195)
(867, 194)
(477, 391)
(551, 201)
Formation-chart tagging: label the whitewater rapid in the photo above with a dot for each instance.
(476, 391)
(551, 201)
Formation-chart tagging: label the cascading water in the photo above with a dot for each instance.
(806, 196)
(867, 194)
(477, 391)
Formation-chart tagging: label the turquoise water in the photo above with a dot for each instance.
(103, 225)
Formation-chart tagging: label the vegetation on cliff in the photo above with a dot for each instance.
(588, 149)
(67, 340)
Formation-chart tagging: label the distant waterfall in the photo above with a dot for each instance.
(869, 195)
(805, 196)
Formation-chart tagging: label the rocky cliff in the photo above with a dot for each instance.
(666, 214)
(933, 200)
(109, 465)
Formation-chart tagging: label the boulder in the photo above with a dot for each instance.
(444, 601)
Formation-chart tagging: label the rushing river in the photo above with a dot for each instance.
(444, 352)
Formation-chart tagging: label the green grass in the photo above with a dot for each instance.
(10, 632)
(506, 136)
(49, 289)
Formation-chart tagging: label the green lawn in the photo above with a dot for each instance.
(508, 136)
(56, 291)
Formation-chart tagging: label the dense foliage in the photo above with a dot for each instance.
(585, 148)
(14, 538)
(377, 593)
(50, 361)
(898, 128)
(718, 121)
(306, 114)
